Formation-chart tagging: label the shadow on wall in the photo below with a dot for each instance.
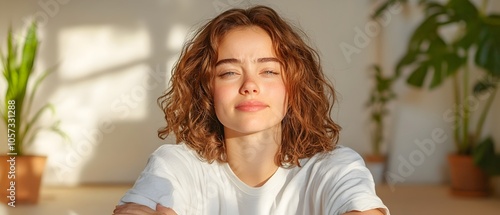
(111, 57)
(118, 142)
(113, 60)
(117, 57)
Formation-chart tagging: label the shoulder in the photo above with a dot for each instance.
(333, 169)
(343, 181)
(169, 149)
(343, 154)
(336, 161)
(165, 177)
(172, 157)
(175, 151)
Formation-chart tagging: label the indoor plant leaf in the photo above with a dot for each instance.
(485, 157)
(484, 85)
(35, 118)
(417, 77)
(488, 51)
(463, 10)
(18, 72)
(385, 6)
(34, 89)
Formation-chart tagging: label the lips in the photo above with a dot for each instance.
(251, 106)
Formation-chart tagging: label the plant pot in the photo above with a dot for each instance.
(466, 178)
(20, 178)
(495, 182)
(376, 164)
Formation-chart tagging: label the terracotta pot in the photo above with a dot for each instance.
(466, 178)
(495, 182)
(20, 178)
(376, 164)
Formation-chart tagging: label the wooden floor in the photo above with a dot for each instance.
(434, 200)
(402, 200)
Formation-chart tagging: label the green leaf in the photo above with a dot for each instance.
(488, 52)
(454, 62)
(438, 76)
(34, 89)
(57, 129)
(27, 62)
(485, 158)
(463, 10)
(439, 59)
(417, 77)
(425, 32)
(385, 6)
(54, 128)
(29, 53)
(405, 61)
(484, 85)
(382, 9)
(434, 7)
(470, 37)
(428, 53)
(34, 133)
(35, 118)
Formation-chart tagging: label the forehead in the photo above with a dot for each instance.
(242, 42)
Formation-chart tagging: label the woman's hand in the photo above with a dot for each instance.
(370, 212)
(137, 209)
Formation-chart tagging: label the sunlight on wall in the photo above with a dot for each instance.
(103, 64)
(105, 78)
(91, 49)
(176, 37)
(108, 77)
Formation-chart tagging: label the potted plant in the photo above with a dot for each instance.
(21, 173)
(430, 56)
(380, 95)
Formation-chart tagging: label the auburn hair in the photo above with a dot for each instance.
(307, 128)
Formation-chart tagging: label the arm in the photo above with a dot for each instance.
(136, 209)
(370, 212)
(349, 187)
(161, 182)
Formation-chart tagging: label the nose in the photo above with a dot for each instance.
(249, 86)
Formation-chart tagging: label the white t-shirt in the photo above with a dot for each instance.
(328, 183)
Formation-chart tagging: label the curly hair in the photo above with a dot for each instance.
(307, 128)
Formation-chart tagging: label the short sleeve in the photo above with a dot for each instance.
(159, 182)
(353, 188)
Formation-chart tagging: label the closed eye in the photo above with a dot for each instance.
(270, 72)
(227, 74)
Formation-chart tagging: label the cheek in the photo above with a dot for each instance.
(279, 95)
(222, 97)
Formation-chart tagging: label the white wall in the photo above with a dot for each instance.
(114, 58)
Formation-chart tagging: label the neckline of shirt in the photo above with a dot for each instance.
(274, 182)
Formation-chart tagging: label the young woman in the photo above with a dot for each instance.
(250, 108)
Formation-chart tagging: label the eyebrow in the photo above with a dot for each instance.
(234, 60)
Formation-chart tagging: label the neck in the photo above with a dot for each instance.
(251, 156)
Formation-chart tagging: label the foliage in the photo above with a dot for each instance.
(18, 69)
(476, 44)
(380, 96)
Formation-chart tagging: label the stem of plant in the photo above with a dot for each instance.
(484, 113)
(484, 5)
(465, 103)
(456, 94)
(380, 134)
